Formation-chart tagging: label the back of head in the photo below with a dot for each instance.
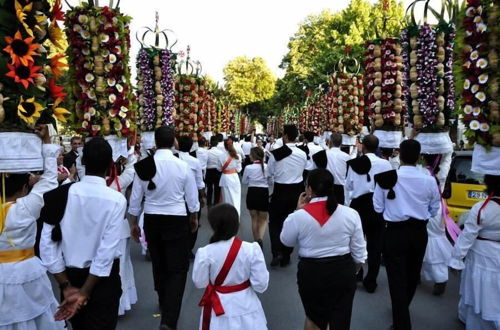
(97, 156)
(219, 137)
(214, 141)
(228, 145)
(224, 220)
(185, 143)
(321, 183)
(291, 132)
(336, 139)
(14, 183)
(202, 142)
(370, 143)
(409, 152)
(492, 183)
(386, 152)
(309, 136)
(248, 138)
(432, 162)
(164, 138)
(257, 154)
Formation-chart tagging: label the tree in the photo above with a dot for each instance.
(248, 80)
(322, 39)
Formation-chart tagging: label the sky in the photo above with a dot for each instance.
(220, 30)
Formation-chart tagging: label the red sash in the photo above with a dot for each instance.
(114, 177)
(490, 198)
(210, 299)
(318, 211)
(226, 164)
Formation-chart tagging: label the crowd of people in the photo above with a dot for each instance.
(343, 208)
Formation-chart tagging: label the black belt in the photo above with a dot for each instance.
(327, 259)
(411, 222)
(487, 239)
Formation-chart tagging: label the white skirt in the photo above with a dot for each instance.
(480, 284)
(473, 321)
(129, 292)
(251, 321)
(437, 254)
(231, 192)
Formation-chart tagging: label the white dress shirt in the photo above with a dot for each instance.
(357, 185)
(202, 156)
(313, 149)
(239, 150)
(340, 235)
(227, 180)
(175, 186)
(254, 177)
(290, 169)
(195, 166)
(246, 146)
(337, 164)
(417, 196)
(90, 229)
(213, 157)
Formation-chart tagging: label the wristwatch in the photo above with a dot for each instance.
(64, 285)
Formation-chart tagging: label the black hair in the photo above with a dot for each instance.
(75, 138)
(225, 222)
(291, 132)
(257, 153)
(336, 139)
(387, 152)
(164, 137)
(309, 136)
(370, 142)
(248, 138)
(185, 143)
(202, 142)
(492, 183)
(220, 137)
(321, 183)
(15, 183)
(432, 162)
(409, 151)
(214, 141)
(97, 156)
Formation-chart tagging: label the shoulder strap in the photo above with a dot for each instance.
(226, 164)
(320, 159)
(54, 206)
(146, 171)
(387, 180)
(228, 263)
(361, 165)
(281, 152)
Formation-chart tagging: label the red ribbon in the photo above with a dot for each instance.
(210, 299)
(490, 198)
(114, 177)
(318, 211)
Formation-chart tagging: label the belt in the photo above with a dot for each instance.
(16, 255)
(487, 239)
(327, 259)
(411, 222)
(233, 171)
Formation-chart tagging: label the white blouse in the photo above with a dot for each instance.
(229, 179)
(340, 235)
(254, 177)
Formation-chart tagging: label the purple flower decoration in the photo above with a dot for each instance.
(167, 86)
(145, 73)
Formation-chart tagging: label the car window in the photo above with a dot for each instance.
(460, 171)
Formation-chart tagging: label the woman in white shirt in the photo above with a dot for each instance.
(230, 165)
(232, 272)
(256, 178)
(331, 248)
(479, 244)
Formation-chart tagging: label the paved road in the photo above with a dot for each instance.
(281, 301)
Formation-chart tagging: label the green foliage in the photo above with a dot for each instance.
(248, 80)
(322, 39)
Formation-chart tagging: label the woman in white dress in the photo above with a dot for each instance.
(230, 165)
(232, 272)
(438, 251)
(120, 183)
(479, 244)
(27, 301)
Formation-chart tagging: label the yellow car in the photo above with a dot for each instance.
(463, 188)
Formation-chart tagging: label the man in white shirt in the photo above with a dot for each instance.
(407, 198)
(185, 144)
(286, 167)
(246, 145)
(310, 148)
(202, 155)
(169, 190)
(335, 161)
(359, 188)
(80, 242)
(213, 175)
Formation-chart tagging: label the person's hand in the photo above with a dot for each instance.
(33, 179)
(358, 268)
(62, 176)
(42, 130)
(303, 200)
(70, 306)
(69, 291)
(135, 232)
(193, 222)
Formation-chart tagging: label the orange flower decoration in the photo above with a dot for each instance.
(21, 50)
(56, 13)
(56, 91)
(56, 65)
(23, 74)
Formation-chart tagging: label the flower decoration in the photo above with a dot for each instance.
(56, 65)
(479, 102)
(23, 74)
(29, 110)
(97, 61)
(21, 13)
(21, 50)
(59, 112)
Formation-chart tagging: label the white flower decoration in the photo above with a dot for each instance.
(92, 111)
(111, 82)
(484, 127)
(481, 27)
(476, 111)
(483, 78)
(119, 88)
(118, 126)
(482, 63)
(474, 55)
(89, 77)
(104, 37)
(87, 116)
(468, 109)
(466, 84)
(112, 98)
(480, 96)
(112, 58)
(470, 12)
(85, 124)
(474, 88)
(478, 19)
(85, 34)
(83, 19)
(96, 127)
(474, 125)
(77, 27)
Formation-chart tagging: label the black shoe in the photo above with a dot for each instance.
(276, 260)
(360, 275)
(369, 286)
(285, 261)
(166, 327)
(439, 288)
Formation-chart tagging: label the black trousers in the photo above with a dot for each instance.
(101, 311)
(373, 228)
(283, 202)
(404, 251)
(338, 189)
(213, 190)
(168, 243)
(326, 288)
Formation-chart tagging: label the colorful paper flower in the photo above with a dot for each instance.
(57, 13)
(56, 92)
(55, 34)
(58, 112)
(480, 96)
(21, 50)
(29, 110)
(484, 127)
(474, 125)
(21, 15)
(23, 74)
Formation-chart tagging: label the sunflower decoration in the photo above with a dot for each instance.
(29, 88)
